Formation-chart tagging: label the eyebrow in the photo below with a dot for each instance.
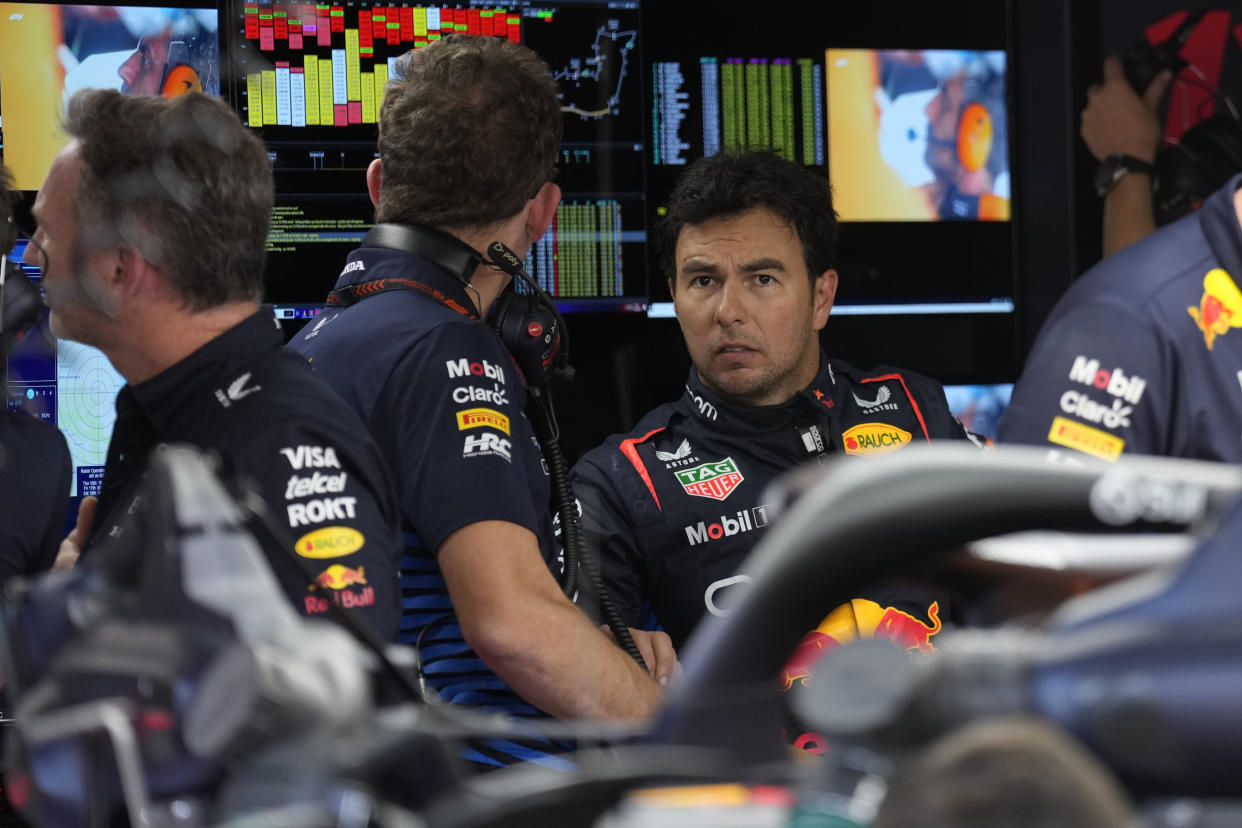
(697, 266)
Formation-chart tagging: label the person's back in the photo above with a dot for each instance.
(1138, 355)
(469, 135)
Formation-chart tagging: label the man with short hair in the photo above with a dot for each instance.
(152, 228)
(469, 133)
(673, 507)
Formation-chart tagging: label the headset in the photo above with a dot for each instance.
(981, 132)
(1209, 153)
(529, 324)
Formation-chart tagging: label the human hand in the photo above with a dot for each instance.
(1117, 121)
(657, 651)
(71, 546)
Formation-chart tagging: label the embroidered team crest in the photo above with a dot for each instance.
(714, 480)
(1220, 307)
(682, 452)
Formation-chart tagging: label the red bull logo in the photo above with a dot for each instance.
(809, 651)
(1220, 307)
(907, 631)
(860, 618)
(340, 577)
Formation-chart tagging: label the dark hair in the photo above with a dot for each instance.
(1004, 773)
(183, 181)
(469, 131)
(729, 184)
(8, 230)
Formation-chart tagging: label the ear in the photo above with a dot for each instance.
(824, 292)
(374, 176)
(542, 210)
(128, 274)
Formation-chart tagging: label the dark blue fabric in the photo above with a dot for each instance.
(662, 544)
(269, 419)
(1123, 363)
(444, 401)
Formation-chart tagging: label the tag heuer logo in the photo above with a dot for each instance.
(715, 480)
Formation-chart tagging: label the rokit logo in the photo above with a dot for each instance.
(744, 521)
(1088, 372)
(482, 368)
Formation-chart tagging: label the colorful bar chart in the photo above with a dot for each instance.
(325, 67)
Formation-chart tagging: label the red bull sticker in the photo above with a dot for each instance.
(330, 542)
(1220, 307)
(714, 480)
(1084, 438)
(874, 438)
(340, 577)
(860, 618)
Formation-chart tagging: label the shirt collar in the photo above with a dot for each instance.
(367, 264)
(216, 364)
(710, 406)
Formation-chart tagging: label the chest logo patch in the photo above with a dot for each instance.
(1220, 307)
(713, 480)
(874, 438)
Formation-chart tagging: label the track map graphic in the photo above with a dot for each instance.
(87, 385)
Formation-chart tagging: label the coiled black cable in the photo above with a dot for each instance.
(571, 527)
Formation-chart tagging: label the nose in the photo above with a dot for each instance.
(730, 305)
(33, 254)
(129, 69)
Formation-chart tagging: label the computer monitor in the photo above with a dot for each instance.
(310, 80)
(903, 109)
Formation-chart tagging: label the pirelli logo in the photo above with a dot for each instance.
(1084, 438)
(481, 418)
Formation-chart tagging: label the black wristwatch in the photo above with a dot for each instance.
(1113, 168)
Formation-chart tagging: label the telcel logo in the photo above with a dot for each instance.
(330, 542)
(727, 527)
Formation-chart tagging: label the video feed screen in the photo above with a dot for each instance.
(70, 385)
(310, 80)
(918, 135)
(50, 51)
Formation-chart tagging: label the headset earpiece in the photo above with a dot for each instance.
(181, 79)
(974, 137)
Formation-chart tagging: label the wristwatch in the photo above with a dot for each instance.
(1114, 167)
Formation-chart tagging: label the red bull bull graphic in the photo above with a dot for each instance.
(339, 577)
(1220, 307)
(859, 618)
(714, 480)
(909, 632)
